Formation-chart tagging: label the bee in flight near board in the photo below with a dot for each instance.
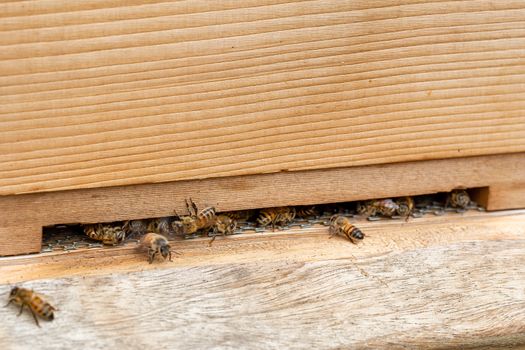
(106, 233)
(156, 245)
(34, 302)
(340, 225)
(276, 216)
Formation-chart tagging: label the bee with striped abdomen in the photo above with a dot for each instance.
(340, 225)
(34, 302)
(405, 207)
(306, 211)
(224, 225)
(384, 207)
(458, 198)
(106, 233)
(156, 244)
(276, 216)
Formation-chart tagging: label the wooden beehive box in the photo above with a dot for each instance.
(99, 101)
(119, 110)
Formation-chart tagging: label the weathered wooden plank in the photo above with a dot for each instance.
(117, 93)
(433, 283)
(265, 190)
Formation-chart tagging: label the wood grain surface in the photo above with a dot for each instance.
(432, 283)
(113, 93)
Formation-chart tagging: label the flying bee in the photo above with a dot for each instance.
(34, 302)
(161, 226)
(384, 207)
(306, 211)
(108, 234)
(276, 216)
(405, 207)
(156, 244)
(458, 198)
(197, 220)
(135, 227)
(224, 225)
(340, 225)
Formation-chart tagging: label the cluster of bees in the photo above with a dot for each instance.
(153, 233)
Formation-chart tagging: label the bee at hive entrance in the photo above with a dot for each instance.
(208, 222)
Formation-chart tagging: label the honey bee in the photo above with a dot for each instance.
(161, 226)
(197, 220)
(340, 225)
(458, 198)
(156, 244)
(135, 227)
(34, 302)
(275, 216)
(305, 211)
(244, 215)
(224, 225)
(384, 207)
(405, 207)
(108, 234)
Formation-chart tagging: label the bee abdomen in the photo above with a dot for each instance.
(265, 218)
(91, 232)
(305, 211)
(353, 231)
(206, 217)
(42, 308)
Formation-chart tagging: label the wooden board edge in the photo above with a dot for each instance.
(500, 172)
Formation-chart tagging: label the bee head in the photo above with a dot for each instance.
(177, 226)
(14, 291)
(333, 219)
(165, 251)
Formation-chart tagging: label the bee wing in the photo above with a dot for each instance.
(45, 298)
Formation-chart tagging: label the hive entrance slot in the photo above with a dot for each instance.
(72, 236)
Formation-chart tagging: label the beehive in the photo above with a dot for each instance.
(119, 110)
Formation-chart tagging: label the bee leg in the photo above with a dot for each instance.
(352, 240)
(34, 316)
(170, 256)
(151, 255)
(332, 232)
(21, 309)
(214, 236)
(9, 302)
